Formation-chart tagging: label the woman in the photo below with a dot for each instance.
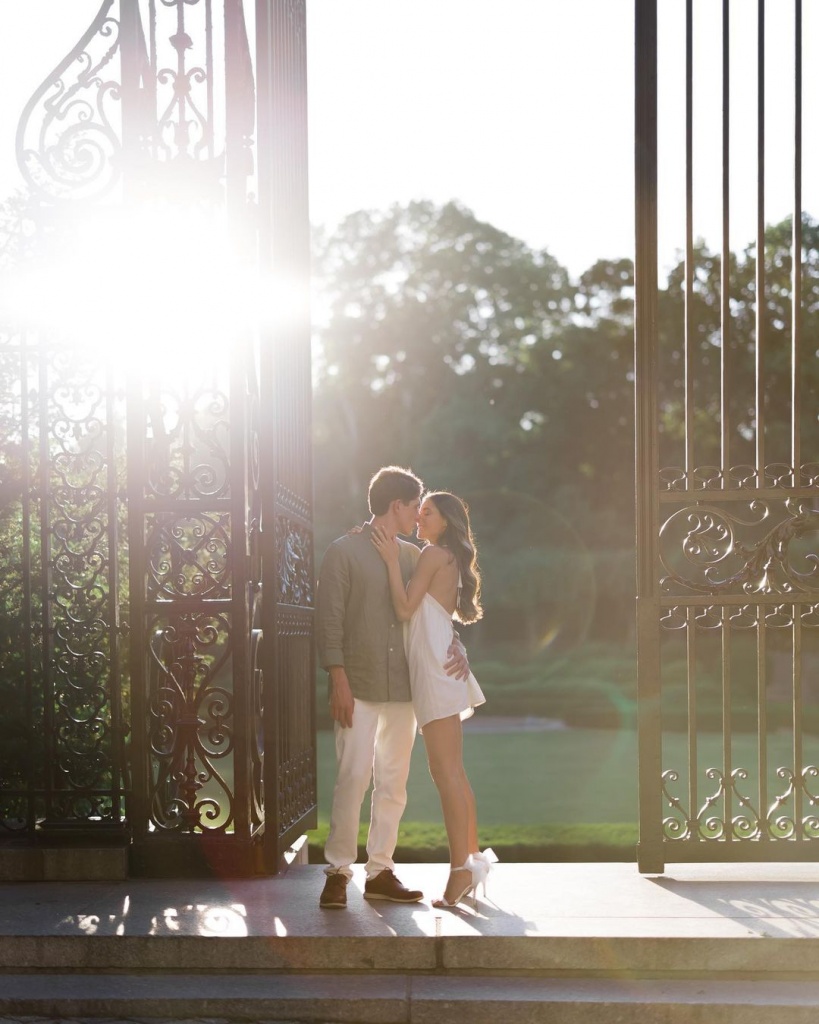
(446, 583)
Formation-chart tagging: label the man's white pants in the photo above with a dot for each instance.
(376, 747)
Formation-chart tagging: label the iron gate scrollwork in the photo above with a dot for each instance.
(155, 466)
(728, 500)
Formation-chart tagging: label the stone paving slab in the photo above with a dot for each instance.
(612, 1001)
(138, 1020)
(375, 999)
(561, 922)
(132, 1020)
(614, 901)
(425, 1000)
(29, 1019)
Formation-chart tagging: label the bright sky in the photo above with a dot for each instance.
(521, 109)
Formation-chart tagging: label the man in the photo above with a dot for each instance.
(361, 645)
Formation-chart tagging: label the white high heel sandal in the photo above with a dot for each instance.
(475, 872)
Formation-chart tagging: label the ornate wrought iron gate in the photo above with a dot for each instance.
(728, 508)
(156, 474)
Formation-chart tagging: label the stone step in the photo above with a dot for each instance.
(553, 955)
(401, 999)
(563, 922)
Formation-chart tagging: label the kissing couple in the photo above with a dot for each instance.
(386, 680)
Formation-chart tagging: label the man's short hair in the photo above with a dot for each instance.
(389, 484)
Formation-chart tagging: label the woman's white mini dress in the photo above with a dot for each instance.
(434, 693)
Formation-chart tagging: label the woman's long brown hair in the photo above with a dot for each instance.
(457, 538)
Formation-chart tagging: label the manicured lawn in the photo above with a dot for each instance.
(523, 778)
(563, 777)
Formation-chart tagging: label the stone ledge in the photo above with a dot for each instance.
(644, 956)
(217, 954)
(64, 864)
(775, 959)
(89, 863)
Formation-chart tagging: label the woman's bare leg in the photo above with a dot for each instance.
(444, 743)
(472, 832)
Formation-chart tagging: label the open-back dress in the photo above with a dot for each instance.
(434, 693)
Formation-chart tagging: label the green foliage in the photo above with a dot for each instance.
(456, 348)
(705, 327)
(19, 744)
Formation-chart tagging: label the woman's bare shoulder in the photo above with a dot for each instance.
(435, 555)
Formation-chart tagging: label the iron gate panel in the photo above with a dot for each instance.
(60, 543)
(159, 697)
(727, 513)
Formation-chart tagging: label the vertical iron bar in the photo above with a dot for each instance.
(762, 709)
(289, 738)
(689, 242)
(152, 33)
(760, 250)
(136, 798)
(239, 100)
(796, 257)
(131, 99)
(115, 689)
(796, 409)
(725, 298)
(210, 71)
(243, 721)
(136, 810)
(306, 393)
(798, 757)
(650, 848)
(284, 251)
(240, 425)
(183, 139)
(268, 462)
(691, 666)
(727, 753)
(233, 106)
(45, 580)
(28, 590)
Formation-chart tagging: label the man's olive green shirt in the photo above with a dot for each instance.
(356, 623)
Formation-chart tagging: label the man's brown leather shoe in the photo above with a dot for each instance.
(385, 886)
(334, 894)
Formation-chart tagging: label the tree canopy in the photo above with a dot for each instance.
(445, 344)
